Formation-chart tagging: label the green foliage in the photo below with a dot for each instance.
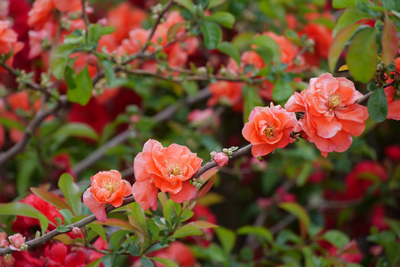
(212, 34)
(71, 193)
(59, 58)
(377, 105)
(83, 91)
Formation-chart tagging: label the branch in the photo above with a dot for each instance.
(40, 116)
(153, 29)
(41, 240)
(123, 137)
(364, 98)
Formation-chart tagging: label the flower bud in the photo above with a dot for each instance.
(92, 60)
(76, 230)
(225, 150)
(221, 159)
(24, 247)
(16, 241)
(212, 154)
(8, 261)
(202, 70)
(181, 36)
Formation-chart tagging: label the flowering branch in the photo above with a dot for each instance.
(41, 240)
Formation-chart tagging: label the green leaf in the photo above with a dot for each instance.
(224, 18)
(186, 231)
(191, 87)
(62, 229)
(242, 40)
(11, 124)
(166, 262)
(116, 238)
(99, 230)
(22, 209)
(174, 29)
(146, 262)
(108, 260)
(344, 3)
(109, 72)
(251, 100)
(156, 247)
(186, 3)
(66, 213)
(308, 257)
(214, 3)
(167, 211)
(336, 238)
(50, 198)
(339, 43)
(117, 223)
(282, 91)
(75, 129)
(266, 41)
(377, 105)
(153, 229)
(256, 231)
(265, 53)
(83, 91)
(59, 58)
(95, 263)
(72, 39)
(227, 238)
(134, 250)
(212, 34)
(362, 65)
(390, 42)
(24, 175)
(71, 192)
(298, 211)
(350, 16)
(304, 173)
(203, 224)
(70, 77)
(102, 31)
(138, 214)
(230, 50)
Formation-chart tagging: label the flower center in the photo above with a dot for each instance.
(174, 170)
(269, 131)
(334, 101)
(110, 187)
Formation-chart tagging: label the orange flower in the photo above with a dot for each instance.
(228, 92)
(289, 50)
(40, 13)
(393, 105)
(7, 38)
(125, 18)
(331, 114)
(164, 168)
(68, 5)
(107, 188)
(269, 128)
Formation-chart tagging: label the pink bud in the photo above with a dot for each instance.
(264, 203)
(76, 230)
(3, 240)
(221, 159)
(8, 261)
(134, 118)
(16, 241)
(103, 22)
(181, 36)
(92, 60)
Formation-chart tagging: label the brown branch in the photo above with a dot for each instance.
(84, 15)
(154, 28)
(40, 116)
(123, 137)
(41, 240)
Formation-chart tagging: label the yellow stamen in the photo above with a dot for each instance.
(334, 101)
(269, 132)
(110, 187)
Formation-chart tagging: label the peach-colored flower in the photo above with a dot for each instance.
(16, 241)
(331, 114)
(197, 117)
(393, 105)
(3, 240)
(107, 188)
(269, 128)
(40, 13)
(229, 92)
(7, 37)
(164, 168)
(68, 5)
(137, 38)
(7, 261)
(124, 18)
(221, 159)
(289, 50)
